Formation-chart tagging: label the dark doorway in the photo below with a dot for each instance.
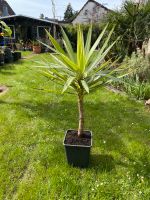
(29, 33)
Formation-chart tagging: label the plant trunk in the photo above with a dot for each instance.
(81, 115)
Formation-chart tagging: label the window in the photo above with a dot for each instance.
(86, 12)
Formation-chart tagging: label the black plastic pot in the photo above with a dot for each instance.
(78, 155)
(8, 55)
(16, 55)
(1, 59)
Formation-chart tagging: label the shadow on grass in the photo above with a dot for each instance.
(102, 163)
(7, 73)
(5, 69)
(2, 102)
(102, 116)
(9, 66)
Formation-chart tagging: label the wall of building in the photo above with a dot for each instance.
(5, 9)
(92, 12)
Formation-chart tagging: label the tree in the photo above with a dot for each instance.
(132, 24)
(41, 16)
(69, 13)
(82, 71)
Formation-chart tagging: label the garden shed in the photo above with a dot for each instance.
(26, 28)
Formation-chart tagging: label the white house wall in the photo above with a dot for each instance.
(90, 13)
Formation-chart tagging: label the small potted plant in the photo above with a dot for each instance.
(82, 71)
(36, 47)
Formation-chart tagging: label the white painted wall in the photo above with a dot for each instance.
(90, 13)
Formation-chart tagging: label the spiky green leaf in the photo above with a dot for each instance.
(85, 86)
(55, 43)
(88, 41)
(68, 83)
(68, 46)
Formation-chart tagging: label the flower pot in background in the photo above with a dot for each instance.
(36, 49)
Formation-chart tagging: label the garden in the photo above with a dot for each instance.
(32, 125)
(97, 88)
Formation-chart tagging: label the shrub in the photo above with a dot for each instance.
(139, 65)
(132, 24)
(137, 89)
(136, 84)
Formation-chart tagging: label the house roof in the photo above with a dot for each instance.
(27, 17)
(3, 5)
(97, 3)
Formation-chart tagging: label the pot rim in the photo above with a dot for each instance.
(69, 145)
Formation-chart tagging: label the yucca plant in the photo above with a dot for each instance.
(84, 70)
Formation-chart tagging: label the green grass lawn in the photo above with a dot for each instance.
(32, 158)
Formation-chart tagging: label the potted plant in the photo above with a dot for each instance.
(82, 71)
(36, 47)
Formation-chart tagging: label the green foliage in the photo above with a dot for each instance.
(137, 84)
(32, 123)
(132, 24)
(137, 89)
(7, 31)
(86, 69)
(139, 65)
(35, 43)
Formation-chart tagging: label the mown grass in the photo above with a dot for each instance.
(32, 157)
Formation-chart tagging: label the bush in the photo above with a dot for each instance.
(131, 24)
(137, 84)
(139, 65)
(137, 89)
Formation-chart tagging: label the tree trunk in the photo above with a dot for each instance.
(81, 115)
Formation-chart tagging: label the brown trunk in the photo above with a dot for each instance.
(81, 115)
